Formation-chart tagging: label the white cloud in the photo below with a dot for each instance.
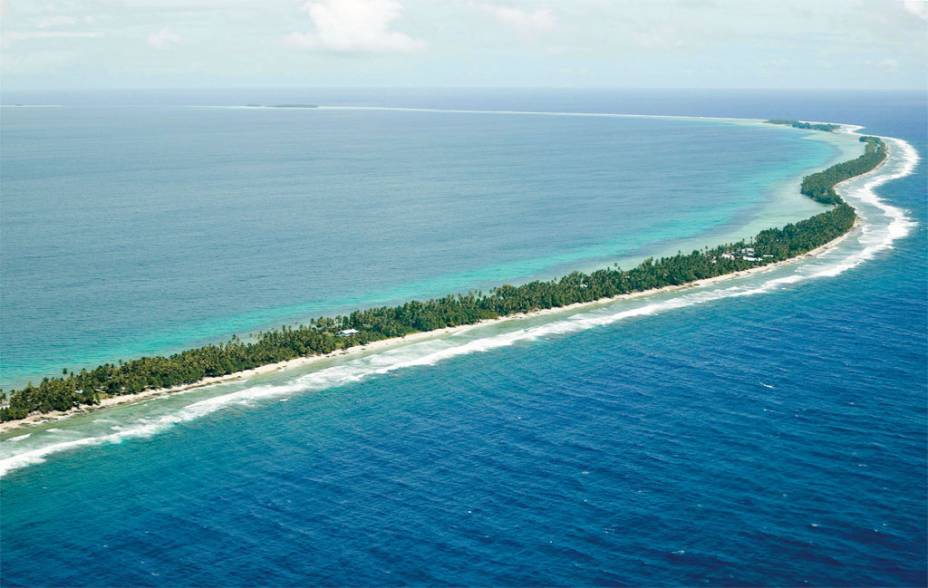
(39, 35)
(523, 21)
(917, 7)
(887, 64)
(164, 39)
(55, 21)
(354, 26)
(659, 37)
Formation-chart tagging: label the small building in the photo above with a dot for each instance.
(347, 332)
(750, 258)
(727, 256)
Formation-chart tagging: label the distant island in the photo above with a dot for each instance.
(798, 124)
(325, 335)
(282, 106)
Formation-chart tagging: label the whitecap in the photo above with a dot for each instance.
(874, 236)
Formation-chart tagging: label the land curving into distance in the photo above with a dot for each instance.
(809, 126)
(72, 391)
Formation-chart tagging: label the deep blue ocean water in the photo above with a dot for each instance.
(775, 439)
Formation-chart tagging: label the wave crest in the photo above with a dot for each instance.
(881, 225)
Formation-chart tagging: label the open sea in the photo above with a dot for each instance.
(767, 430)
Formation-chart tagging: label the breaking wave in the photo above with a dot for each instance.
(880, 225)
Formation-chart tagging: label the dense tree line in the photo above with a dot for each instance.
(327, 334)
(827, 127)
(820, 186)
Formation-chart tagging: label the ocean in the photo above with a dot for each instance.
(765, 431)
(145, 230)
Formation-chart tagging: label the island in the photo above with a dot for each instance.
(798, 124)
(87, 387)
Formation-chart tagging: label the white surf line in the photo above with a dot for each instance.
(901, 161)
(540, 113)
(493, 112)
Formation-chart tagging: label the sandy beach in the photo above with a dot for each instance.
(42, 418)
(373, 347)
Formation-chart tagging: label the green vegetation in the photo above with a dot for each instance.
(820, 186)
(327, 334)
(797, 124)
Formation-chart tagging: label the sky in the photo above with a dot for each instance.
(109, 44)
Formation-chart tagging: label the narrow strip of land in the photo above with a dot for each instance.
(270, 350)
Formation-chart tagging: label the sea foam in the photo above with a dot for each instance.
(881, 224)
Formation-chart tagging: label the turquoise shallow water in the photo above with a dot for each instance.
(766, 431)
(129, 231)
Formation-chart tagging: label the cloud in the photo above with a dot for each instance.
(917, 7)
(56, 21)
(164, 39)
(887, 64)
(354, 26)
(523, 21)
(11, 36)
(659, 37)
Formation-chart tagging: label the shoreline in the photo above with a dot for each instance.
(36, 419)
(55, 416)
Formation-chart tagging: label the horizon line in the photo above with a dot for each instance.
(918, 90)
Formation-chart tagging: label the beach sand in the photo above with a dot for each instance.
(41, 418)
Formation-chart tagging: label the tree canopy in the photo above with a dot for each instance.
(326, 334)
(796, 124)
